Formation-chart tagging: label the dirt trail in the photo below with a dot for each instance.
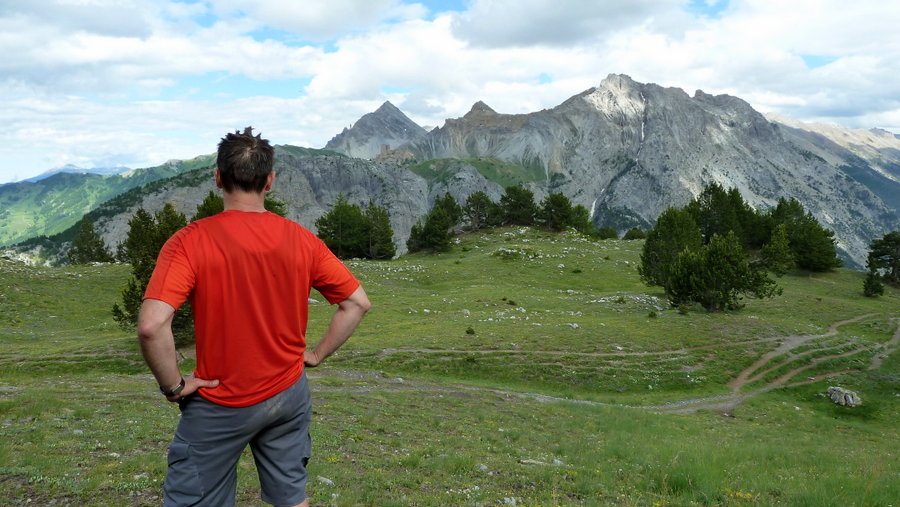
(765, 364)
(725, 403)
(790, 343)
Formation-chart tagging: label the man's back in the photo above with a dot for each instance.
(248, 276)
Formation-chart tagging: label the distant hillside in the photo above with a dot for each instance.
(51, 205)
(73, 169)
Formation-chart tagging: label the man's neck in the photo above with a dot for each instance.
(244, 201)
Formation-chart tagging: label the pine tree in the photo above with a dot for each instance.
(146, 236)
(556, 212)
(717, 276)
(275, 205)
(343, 229)
(607, 232)
(88, 246)
(581, 221)
(813, 246)
(379, 233)
(675, 231)
(451, 207)
(872, 285)
(634, 233)
(518, 206)
(776, 255)
(480, 211)
(884, 258)
(431, 234)
(212, 204)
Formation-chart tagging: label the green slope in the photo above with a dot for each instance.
(547, 402)
(49, 206)
(497, 171)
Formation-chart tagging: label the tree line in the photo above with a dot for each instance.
(718, 249)
(713, 252)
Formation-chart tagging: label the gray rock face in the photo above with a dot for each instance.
(624, 150)
(844, 397)
(627, 151)
(309, 185)
(386, 126)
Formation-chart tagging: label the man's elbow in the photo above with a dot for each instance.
(147, 330)
(360, 301)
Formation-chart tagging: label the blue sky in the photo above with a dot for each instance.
(135, 83)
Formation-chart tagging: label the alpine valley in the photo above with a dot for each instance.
(625, 150)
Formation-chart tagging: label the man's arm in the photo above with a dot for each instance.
(348, 315)
(158, 348)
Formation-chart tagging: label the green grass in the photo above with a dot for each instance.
(545, 404)
(497, 171)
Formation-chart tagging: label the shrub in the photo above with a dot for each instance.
(634, 233)
(717, 276)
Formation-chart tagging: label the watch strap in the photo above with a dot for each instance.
(174, 391)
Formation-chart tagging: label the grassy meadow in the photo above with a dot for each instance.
(522, 368)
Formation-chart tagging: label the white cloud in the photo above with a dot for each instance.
(319, 20)
(524, 23)
(78, 76)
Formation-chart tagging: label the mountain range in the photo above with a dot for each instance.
(625, 150)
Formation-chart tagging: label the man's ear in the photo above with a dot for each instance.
(218, 177)
(270, 179)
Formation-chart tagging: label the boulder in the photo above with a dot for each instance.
(845, 397)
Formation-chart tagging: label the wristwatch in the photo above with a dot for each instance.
(174, 391)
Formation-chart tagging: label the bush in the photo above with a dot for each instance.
(717, 276)
(607, 233)
(634, 233)
(432, 234)
(872, 286)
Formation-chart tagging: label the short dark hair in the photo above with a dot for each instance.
(244, 161)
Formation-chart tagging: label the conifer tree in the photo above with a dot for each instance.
(480, 211)
(634, 233)
(518, 206)
(813, 246)
(343, 229)
(872, 285)
(451, 207)
(146, 236)
(884, 258)
(674, 232)
(556, 212)
(212, 204)
(379, 233)
(717, 276)
(88, 246)
(432, 234)
(776, 255)
(607, 232)
(581, 221)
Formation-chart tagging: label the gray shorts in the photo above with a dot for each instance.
(210, 438)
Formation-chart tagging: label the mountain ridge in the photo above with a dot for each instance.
(623, 149)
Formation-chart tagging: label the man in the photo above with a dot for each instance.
(247, 273)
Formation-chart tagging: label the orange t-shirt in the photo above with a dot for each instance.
(248, 277)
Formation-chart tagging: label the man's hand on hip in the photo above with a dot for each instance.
(191, 384)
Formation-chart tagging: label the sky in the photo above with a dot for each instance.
(134, 83)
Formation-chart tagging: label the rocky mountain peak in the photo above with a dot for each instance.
(386, 126)
(479, 108)
(388, 110)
